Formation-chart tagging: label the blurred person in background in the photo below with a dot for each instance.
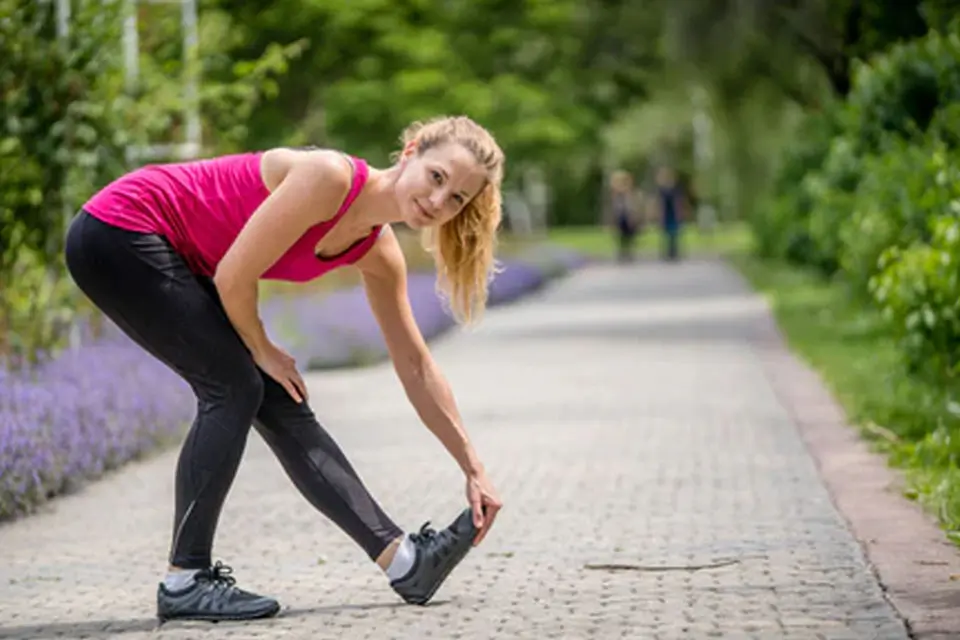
(624, 214)
(671, 209)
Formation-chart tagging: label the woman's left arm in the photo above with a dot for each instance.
(385, 281)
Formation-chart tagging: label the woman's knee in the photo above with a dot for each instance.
(247, 389)
(238, 387)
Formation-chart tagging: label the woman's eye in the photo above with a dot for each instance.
(437, 176)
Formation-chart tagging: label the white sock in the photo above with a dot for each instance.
(403, 560)
(180, 579)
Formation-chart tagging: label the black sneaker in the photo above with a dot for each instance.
(213, 597)
(437, 554)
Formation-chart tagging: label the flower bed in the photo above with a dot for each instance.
(81, 414)
(95, 408)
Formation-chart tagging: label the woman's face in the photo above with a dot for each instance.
(435, 185)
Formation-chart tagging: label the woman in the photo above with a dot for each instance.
(173, 254)
(624, 213)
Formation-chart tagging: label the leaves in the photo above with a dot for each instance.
(872, 199)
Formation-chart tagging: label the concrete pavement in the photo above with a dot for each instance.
(656, 485)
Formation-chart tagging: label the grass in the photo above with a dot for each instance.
(910, 419)
(599, 242)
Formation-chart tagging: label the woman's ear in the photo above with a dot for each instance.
(409, 149)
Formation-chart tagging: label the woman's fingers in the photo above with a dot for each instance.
(292, 389)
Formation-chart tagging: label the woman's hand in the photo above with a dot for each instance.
(484, 501)
(280, 365)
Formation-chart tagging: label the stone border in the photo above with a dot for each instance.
(908, 552)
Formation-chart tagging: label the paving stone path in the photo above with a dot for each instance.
(656, 484)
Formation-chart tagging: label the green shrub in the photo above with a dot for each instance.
(882, 208)
(945, 125)
(897, 99)
(835, 189)
(896, 196)
(780, 227)
(38, 308)
(918, 287)
(900, 91)
(831, 191)
(63, 128)
(58, 136)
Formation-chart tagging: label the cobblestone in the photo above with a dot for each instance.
(654, 487)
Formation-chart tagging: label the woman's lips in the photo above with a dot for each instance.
(423, 211)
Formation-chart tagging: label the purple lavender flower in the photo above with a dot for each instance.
(80, 414)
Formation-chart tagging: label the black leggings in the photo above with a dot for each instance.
(146, 288)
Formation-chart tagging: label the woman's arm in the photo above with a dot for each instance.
(385, 281)
(306, 189)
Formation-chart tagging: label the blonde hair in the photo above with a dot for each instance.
(621, 181)
(463, 248)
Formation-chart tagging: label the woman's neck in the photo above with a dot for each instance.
(377, 204)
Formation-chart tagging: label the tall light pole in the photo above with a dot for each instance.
(703, 153)
(191, 146)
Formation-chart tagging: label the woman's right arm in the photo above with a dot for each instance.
(305, 191)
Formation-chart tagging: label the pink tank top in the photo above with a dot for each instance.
(201, 206)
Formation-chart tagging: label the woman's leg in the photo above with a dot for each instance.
(147, 290)
(416, 564)
(318, 468)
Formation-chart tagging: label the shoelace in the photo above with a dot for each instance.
(427, 535)
(219, 575)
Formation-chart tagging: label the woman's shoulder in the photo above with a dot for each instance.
(328, 167)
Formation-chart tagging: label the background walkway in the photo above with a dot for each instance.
(654, 484)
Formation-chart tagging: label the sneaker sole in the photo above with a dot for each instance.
(268, 613)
